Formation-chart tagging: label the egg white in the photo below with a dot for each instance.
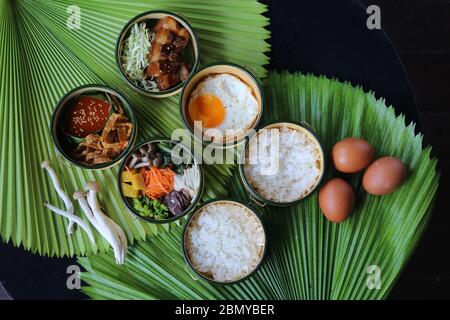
(241, 107)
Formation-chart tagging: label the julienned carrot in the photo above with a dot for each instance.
(158, 182)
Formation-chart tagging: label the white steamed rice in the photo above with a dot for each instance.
(225, 241)
(299, 164)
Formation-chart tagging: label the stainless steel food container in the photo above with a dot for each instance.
(130, 208)
(220, 68)
(257, 198)
(193, 47)
(215, 201)
(61, 142)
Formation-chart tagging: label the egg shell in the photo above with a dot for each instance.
(384, 176)
(336, 199)
(351, 155)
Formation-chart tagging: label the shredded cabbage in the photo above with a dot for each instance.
(134, 58)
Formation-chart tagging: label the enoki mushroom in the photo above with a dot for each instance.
(110, 230)
(73, 218)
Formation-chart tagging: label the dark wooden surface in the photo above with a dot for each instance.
(328, 37)
(420, 31)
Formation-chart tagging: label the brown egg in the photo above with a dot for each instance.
(352, 155)
(384, 176)
(336, 199)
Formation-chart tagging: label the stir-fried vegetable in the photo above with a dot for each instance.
(158, 182)
(150, 208)
(128, 191)
(134, 58)
(178, 201)
(155, 185)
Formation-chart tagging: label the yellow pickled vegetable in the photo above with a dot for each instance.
(126, 175)
(128, 191)
(137, 182)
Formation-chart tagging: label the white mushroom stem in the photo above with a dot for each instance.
(74, 218)
(122, 238)
(61, 193)
(112, 232)
(101, 225)
(81, 197)
(142, 151)
(105, 232)
(134, 160)
(142, 164)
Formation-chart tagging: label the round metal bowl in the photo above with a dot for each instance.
(258, 198)
(193, 50)
(130, 208)
(186, 226)
(62, 141)
(220, 68)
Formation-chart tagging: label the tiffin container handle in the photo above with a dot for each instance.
(189, 272)
(64, 161)
(182, 15)
(256, 204)
(252, 70)
(253, 200)
(307, 126)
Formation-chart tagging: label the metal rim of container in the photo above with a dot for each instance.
(209, 202)
(118, 48)
(259, 197)
(62, 103)
(172, 219)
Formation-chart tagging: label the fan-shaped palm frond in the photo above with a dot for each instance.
(42, 58)
(309, 257)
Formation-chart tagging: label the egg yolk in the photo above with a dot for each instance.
(208, 109)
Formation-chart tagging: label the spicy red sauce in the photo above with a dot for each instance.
(88, 115)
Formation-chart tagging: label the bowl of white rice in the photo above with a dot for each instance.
(282, 163)
(224, 241)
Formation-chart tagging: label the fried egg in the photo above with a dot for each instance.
(225, 106)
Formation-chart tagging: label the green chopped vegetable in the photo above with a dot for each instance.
(167, 159)
(166, 150)
(149, 208)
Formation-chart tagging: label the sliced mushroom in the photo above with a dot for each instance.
(112, 232)
(73, 218)
(134, 159)
(61, 193)
(142, 164)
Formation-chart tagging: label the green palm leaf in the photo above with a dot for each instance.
(309, 257)
(41, 59)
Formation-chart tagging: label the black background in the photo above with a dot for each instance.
(330, 37)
